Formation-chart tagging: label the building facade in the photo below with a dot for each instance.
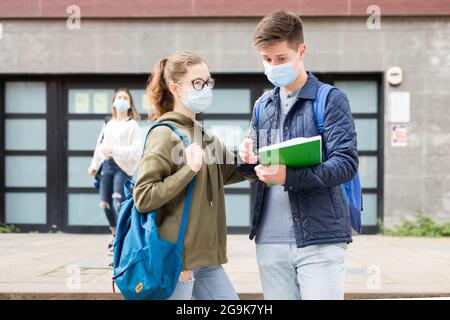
(58, 75)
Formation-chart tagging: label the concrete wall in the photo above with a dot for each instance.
(417, 177)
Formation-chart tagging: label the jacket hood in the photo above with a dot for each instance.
(178, 118)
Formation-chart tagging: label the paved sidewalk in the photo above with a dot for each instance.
(46, 265)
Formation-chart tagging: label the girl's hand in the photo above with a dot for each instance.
(92, 171)
(246, 151)
(194, 157)
(185, 276)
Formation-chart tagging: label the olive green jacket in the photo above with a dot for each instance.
(161, 184)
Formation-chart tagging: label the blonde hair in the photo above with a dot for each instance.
(168, 69)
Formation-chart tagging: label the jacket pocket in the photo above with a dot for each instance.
(337, 198)
(320, 212)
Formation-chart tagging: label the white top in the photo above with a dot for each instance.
(125, 139)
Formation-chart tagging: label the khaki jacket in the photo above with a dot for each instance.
(161, 184)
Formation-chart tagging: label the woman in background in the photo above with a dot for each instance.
(117, 156)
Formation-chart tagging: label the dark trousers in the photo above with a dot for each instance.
(111, 189)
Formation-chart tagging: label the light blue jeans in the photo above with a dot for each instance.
(210, 283)
(316, 272)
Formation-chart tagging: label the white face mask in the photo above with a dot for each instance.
(280, 75)
(121, 105)
(198, 100)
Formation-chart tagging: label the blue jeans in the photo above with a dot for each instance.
(111, 189)
(315, 272)
(210, 283)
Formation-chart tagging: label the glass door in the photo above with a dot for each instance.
(87, 104)
(25, 155)
(363, 95)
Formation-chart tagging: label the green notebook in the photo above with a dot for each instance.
(297, 152)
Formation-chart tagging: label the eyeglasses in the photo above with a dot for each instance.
(198, 84)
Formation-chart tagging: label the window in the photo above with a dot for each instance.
(363, 97)
(25, 134)
(86, 111)
(25, 97)
(26, 207)
(228, 120)
(88, 101)
(25, 154)
(230, 132)
(87, 105)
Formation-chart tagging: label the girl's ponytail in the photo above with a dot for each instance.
(158, 90)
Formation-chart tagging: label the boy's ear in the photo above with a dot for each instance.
(302, 50)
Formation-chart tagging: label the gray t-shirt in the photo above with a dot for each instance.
(276, 225)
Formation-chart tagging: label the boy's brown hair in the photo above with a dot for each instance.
(278, 27)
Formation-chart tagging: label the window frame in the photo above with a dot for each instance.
(51, 190)
(379, 153)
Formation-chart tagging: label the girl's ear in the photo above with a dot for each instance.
(174, 89)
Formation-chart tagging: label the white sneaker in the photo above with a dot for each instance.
(110, 249)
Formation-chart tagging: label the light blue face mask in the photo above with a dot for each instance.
(280, 75)
(121, 105)
(198, 100)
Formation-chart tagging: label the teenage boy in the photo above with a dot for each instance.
(301, 220)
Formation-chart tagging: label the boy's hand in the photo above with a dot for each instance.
(246, 151)
(271, 174)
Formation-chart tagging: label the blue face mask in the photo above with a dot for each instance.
(280, 75)
(198, 100)
(121, 105)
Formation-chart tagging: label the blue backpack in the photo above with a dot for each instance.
(352, 189)
(147, 266)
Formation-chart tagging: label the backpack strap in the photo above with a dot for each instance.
(180, 134)
(185, 216)
(320, 104)
(128, 185)
(190, 187)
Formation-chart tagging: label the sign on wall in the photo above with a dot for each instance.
(399, 135)
(399, 107)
